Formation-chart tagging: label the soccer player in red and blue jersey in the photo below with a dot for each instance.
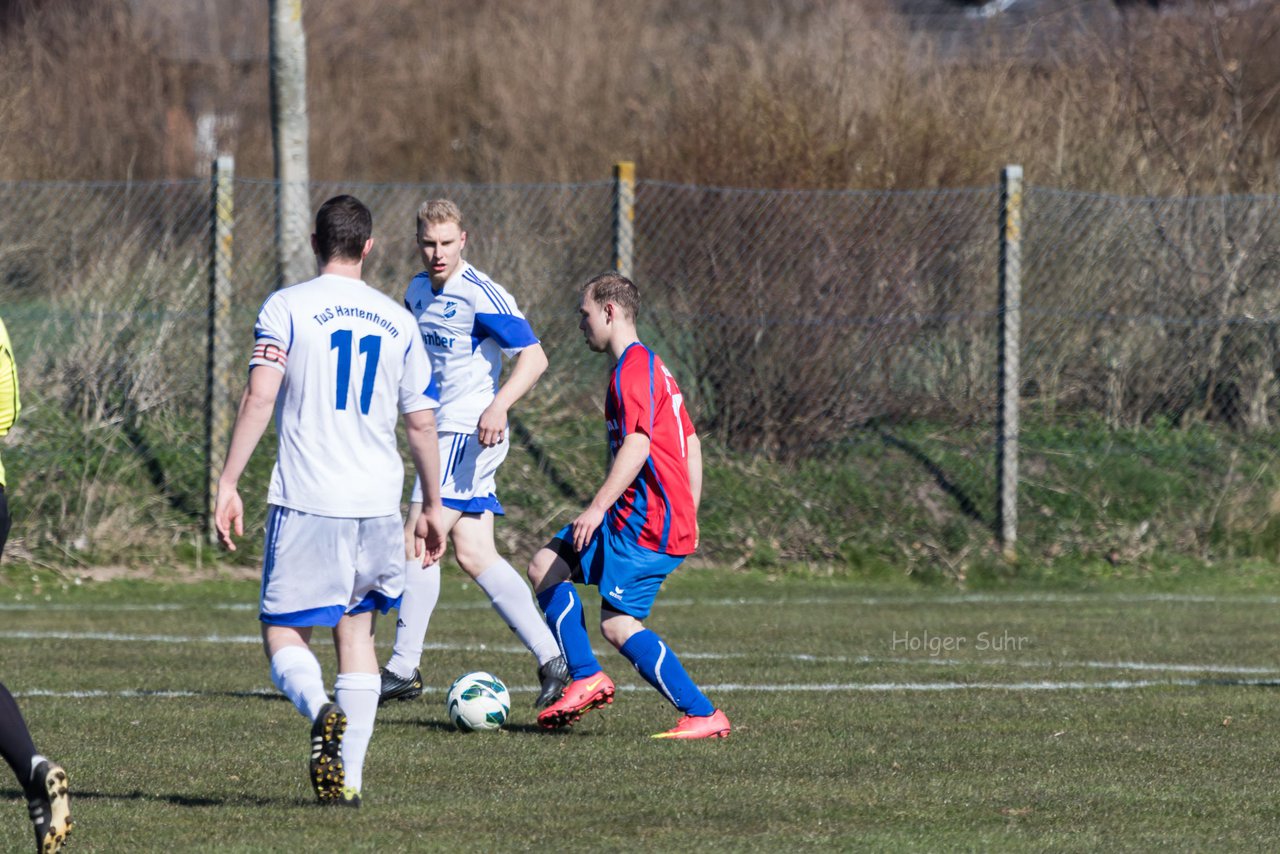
(641, 524)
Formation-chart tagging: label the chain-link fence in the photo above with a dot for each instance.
(813, 330)
(1154, 308)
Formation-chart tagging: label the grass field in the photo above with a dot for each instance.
(890, 718)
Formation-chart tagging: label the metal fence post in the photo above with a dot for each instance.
(217, 408)
(1010, 314)
(624, 216)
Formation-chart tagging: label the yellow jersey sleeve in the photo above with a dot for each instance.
(10, 404)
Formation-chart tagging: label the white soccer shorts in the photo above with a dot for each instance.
(317, 568)
(468, 473)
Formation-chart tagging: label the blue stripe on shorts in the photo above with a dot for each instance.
(329, 615)
(375, 599)
(479, 504)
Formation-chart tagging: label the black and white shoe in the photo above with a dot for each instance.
(398, 687)
(552, 677)
(327, 776)
(50, 807)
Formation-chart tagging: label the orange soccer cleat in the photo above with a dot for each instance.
(715, 725)
(580, 696)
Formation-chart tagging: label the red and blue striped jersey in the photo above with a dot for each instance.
(657, 509)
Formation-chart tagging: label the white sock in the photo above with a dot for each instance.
(296, 672)
(35, 762)
(513, 600)
(421, 592)
(357, 693)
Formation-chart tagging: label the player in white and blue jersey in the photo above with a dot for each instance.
(338, 363)
(469, 324)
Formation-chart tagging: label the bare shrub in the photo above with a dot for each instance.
(1149, 309)
(1206, 93)
(805, 315)
(94, 94)
(837, 94)
(116, 382)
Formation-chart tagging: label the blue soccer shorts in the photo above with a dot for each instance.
(627, 574)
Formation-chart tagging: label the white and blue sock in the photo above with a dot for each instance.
(421, 593)
(662, 669)
(511, 598)
(295, 670)
(568, 625)
(357, 694)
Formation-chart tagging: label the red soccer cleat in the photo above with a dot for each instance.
(715, 725)
(580, 696)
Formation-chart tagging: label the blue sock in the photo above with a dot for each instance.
(563, 610)
(662, 669)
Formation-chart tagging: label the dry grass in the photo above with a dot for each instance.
(836, 94)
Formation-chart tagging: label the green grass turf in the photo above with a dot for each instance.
(842, 739)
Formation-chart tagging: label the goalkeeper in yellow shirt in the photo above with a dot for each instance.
(10, 405)
(43, 782)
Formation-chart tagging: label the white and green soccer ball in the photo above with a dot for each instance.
(478, 701)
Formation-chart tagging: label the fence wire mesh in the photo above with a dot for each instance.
(1153, 308)
(806, 328)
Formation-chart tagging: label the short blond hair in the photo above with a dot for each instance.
(436, 211)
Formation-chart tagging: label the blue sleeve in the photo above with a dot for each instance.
(510, 331)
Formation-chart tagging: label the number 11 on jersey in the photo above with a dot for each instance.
(370, 347)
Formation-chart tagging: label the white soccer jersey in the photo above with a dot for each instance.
(467, 327)
(352, 363)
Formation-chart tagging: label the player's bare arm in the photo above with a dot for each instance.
(626, 467)
(429, 531)
(693, 462)
(410, 528)
(257, 405)
(529, 365)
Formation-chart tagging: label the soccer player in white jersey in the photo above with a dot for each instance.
(469, 323)
(338, 363)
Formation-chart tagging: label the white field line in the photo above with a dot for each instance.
(726, 688)
(1042, 685)
(803, 657)
(984, 599)
(957, 599)
(772, 602)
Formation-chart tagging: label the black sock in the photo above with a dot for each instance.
(16, 745)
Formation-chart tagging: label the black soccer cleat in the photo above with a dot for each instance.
(327, 775)
(349, 797)
(552, 676)
(49, 806)
(398, 687)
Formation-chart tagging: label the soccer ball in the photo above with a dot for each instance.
(478, 701)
